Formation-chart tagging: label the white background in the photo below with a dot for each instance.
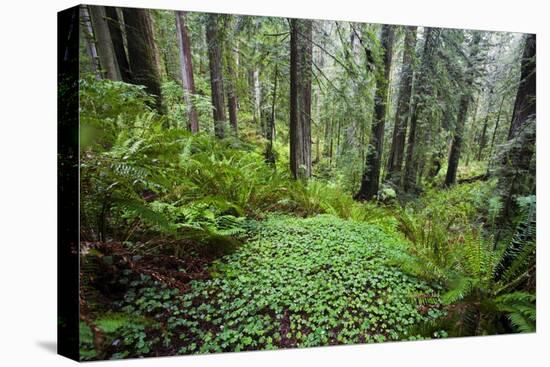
(28, 182)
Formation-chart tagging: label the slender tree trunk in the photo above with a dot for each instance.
(187, 78)
(90, 41)
(473, 129)
(300, 97)
(117, 37)
(371, 176)
(213, 39)
(231, 90)
(269, 156)
(496, 127)
(104, 45)
(483, 139)
(454, 157)
(403, 112)
(257, 97)
(142, 55)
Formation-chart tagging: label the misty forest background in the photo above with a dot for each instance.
(259, 183)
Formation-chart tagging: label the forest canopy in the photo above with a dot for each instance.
(256, 182)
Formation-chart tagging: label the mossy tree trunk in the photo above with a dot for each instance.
(371, 176)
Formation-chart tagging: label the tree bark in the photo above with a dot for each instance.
(187, 78)
(216, 77)
(483, 139)
(473, 129)
(300, 97)
(525, 104)
(496, 126)
(517, 174)
(142, 55)
(106, 52)
(117, 38)
(403, 112)
(269, 155)
(257, 98)
(454, 157)
(371, 177)
(231, 90)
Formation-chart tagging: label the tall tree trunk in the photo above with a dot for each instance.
(473, 129)
(300, 97)
(483, 139)
(269, 155)
(371, 176)
(257, 98)
(231, 89)
(104, 44)
(525, 104)
(216, 77)
(117, 37)
(456, 144)
(517, 174)
(187, 78)
(88, 31)
(496, 126)
(328, 129)
(402, 114)
(454, 157)
(142, 54)
(423, 89)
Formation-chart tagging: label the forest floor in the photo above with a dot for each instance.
(306, 282)
(294, 282)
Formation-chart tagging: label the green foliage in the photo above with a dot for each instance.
(480, 283)
(86, 342)
(520, 309)
(297, 282)
(303, 263)
(176, 108)
(120, 331)
(149, 178)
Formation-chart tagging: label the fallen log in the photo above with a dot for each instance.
(482, 177)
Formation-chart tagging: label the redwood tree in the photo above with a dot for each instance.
(142, 52)
(517, 171)
(104, 45)
(371, 176)
(117, 38)
(188, 81)
(300, 97)
(525, 104)
(231, 89)
(213, 39)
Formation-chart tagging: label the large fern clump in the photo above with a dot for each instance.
(488, 289)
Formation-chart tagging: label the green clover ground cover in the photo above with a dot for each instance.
(300, 283)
